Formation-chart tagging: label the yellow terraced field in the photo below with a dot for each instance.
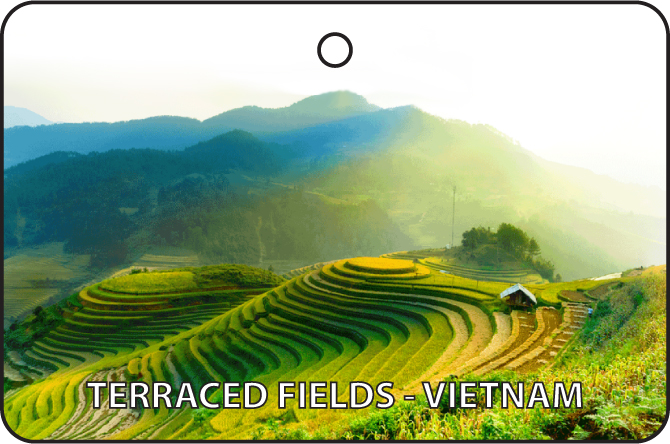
(380, 265)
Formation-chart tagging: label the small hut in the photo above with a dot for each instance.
(518, 295)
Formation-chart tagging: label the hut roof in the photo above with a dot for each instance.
(518, 287)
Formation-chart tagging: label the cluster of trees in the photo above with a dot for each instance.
(477, 236)
(514, 241)
(510, 238)
(21, 336)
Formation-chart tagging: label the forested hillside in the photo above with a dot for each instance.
(113, 204)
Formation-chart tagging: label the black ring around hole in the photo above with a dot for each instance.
(335, 34)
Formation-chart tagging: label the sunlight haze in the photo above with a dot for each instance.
(580, 85)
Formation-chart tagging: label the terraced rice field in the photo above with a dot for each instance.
(302, 270)
(575, 296)
(103, 322)
(599, 292)
(411, 255)
(574, 291)
(363, 319)
(522, 276)
(574, 317)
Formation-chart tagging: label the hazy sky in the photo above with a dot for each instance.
(582, 85)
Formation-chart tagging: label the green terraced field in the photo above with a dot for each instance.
(434, 259)
(556, 293)
(123, 314)
(523, 276)
(369, 319)
(148, 283)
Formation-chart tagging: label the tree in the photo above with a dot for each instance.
(512, 239)
(533, 248)
(469, 241)
(476, 236)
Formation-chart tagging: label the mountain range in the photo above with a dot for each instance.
(172, 132)
(15, 116)
(398, 167)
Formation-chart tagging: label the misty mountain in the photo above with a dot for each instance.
(409, 162)
(165, 132)
(487, 162)
(15, 116)
(311, 111)
(356, 134)
(171, 132)
(396, 168)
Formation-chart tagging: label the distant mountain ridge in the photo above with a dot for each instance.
(164, 132)
(16, 116)
(311, 111)
(173, 132)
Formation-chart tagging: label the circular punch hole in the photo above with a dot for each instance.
(343, 37)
